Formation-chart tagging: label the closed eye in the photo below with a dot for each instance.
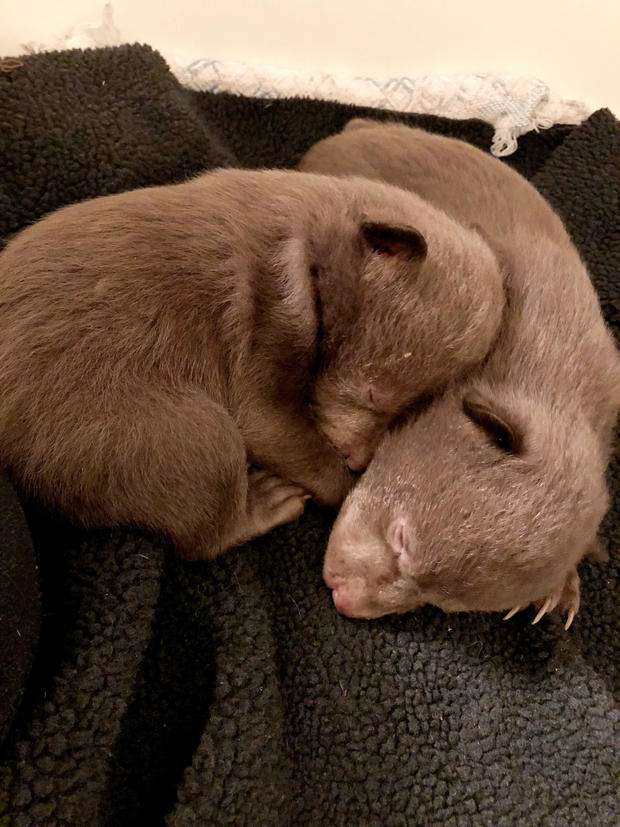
(368, 398)
(318, 310)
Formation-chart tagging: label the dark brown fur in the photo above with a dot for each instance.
(490, 498)
(154, 344)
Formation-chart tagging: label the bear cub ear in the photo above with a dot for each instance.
(392, 240)
(495, 421)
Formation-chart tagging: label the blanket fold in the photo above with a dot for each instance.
(231, 692)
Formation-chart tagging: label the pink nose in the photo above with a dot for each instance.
(342, 601)
(339, 591)
(356, 464)
(332, 581)
(359, 457)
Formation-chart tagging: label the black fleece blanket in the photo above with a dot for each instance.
(232, 692)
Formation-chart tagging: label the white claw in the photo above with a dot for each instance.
(512, 612)
(569, 619)
(543, 610)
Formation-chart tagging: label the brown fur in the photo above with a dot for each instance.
(489, 498)
(153, 344)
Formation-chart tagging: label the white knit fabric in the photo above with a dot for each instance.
(513, 104)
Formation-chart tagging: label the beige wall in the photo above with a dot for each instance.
(573, 45)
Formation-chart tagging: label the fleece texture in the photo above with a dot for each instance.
(20, 603)
(232, 692)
